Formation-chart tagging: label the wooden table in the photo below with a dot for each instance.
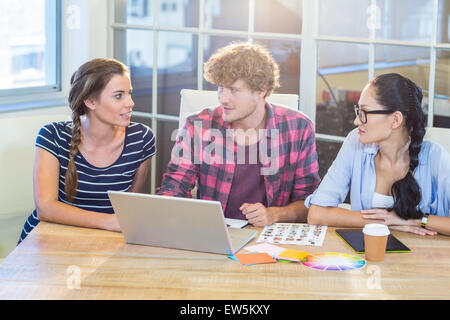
(63, 262)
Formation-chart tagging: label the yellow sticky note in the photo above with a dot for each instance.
(292, 255)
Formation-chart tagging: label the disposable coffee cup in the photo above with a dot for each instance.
(375, 241)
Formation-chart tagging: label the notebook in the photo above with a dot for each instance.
(179, 223)
(355, 239)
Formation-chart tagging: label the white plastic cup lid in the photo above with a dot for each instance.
(376, 229)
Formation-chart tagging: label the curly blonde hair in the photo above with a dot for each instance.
(252, 63)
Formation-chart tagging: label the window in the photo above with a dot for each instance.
(338, 44)
(165, 51)
(409, 37)
(29, 47)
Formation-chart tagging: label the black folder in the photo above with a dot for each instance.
(355, 239)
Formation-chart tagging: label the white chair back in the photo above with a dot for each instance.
(439, 135)
(195, 100)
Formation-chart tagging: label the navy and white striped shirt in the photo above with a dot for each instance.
(94, 182)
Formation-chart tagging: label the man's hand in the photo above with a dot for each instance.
(258, 215)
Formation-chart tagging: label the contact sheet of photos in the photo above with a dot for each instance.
(293, 233)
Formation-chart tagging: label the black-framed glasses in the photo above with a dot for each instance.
(362, 114)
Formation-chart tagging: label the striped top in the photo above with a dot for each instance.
(94, 182)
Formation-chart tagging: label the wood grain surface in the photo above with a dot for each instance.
(63, 262)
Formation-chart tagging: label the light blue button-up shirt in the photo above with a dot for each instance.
(354, 168)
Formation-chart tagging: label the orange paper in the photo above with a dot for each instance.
(254, 258)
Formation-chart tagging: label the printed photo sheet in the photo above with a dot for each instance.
(293, 233)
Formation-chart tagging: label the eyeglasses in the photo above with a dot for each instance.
(362, 114)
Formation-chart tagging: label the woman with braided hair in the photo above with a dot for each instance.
(78, 161)
(394, 176)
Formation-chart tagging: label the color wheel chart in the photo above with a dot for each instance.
(332, 261)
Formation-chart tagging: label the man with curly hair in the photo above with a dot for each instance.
(259, 160)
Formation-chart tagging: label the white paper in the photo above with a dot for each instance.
(236, 223)
(267, 248)
(294, 233)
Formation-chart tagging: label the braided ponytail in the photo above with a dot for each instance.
(87, 82)
(399, 93)
(71, 173)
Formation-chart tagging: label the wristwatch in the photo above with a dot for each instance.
(424, 221)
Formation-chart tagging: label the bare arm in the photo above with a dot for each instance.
(141, 175)
(259, 216)
(438, 224)
(49, 208)
(340, 217)
(293, 212)
(337, 217)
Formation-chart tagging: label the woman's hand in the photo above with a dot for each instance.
(111, 223)
(391, 219)
(414, 229)
(388, 217)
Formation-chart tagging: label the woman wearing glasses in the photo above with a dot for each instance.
(394, 176)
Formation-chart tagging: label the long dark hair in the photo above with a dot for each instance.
(87, 82)
(398, 93)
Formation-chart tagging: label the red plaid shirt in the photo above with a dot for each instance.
(292, 169)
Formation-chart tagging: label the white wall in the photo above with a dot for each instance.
(84, 40)
(84, 37)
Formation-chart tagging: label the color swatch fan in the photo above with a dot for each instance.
(332, 261)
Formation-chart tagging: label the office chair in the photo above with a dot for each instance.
(195, 100)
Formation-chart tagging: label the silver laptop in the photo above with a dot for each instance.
(180, 223)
